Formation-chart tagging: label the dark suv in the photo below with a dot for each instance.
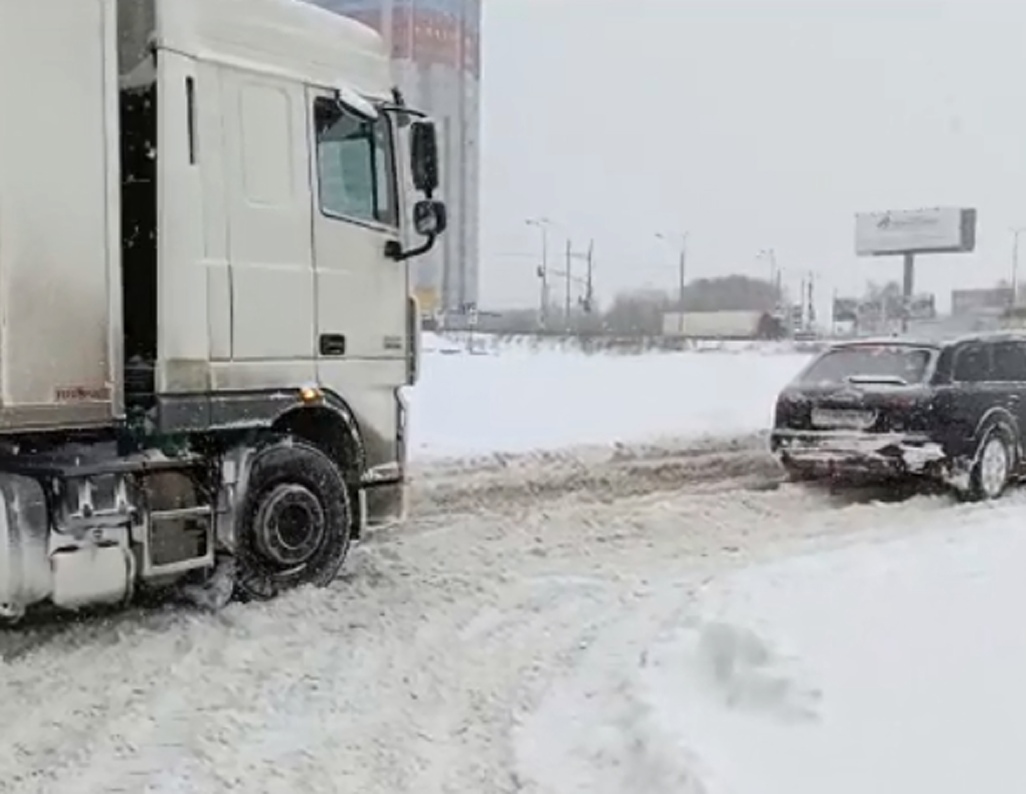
(953, 411)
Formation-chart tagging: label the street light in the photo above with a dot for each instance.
(770, 255)
(681, 267)
(543, 269)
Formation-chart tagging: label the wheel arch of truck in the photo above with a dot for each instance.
(330, 425)
(326, 420)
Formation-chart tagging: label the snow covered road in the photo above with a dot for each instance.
(659, 616)
(457, 655)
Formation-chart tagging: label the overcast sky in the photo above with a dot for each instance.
(750, 124)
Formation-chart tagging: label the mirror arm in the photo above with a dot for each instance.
(401, 110)
(395, 252)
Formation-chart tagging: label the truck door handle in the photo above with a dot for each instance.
(332, 345)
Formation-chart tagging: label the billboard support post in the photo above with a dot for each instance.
(908, 284)
(1016, 234)
(905, 233)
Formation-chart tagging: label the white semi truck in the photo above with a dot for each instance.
(207, 209)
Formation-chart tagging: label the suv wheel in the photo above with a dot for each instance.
(799, 474)
(995, 462)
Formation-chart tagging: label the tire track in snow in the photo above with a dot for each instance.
(515, 482)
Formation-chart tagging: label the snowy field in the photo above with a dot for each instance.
(516, 400)
(610, 592)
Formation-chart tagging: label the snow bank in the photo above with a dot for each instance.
(522, 401)
(887, 668)
(455, 342)
(431, 342)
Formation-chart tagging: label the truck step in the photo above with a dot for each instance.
(64, 466)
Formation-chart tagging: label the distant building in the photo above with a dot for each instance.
(436, 45)
(981, 302)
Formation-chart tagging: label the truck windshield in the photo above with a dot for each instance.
(895, 364)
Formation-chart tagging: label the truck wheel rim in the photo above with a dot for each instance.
(290, 526)
(994, 467)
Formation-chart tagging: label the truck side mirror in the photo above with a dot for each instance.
(424, 156)
(430, 218)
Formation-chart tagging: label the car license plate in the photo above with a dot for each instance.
(843, 419)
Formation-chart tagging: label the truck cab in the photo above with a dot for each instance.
(207, 211)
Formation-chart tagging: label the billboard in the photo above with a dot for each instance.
(981, 301)
(938, 230)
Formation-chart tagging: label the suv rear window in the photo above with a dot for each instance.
(872, 363)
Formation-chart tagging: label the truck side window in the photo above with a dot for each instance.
(972, 364)
(354, 165)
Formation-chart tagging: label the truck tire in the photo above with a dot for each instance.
(295, 522)
(994, 465)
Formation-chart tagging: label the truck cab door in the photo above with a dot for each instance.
(361, 294)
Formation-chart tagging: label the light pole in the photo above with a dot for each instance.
(682, 260)
(1017, 232)
(543, 269)
(770, 255)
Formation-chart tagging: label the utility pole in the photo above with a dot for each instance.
(570, 279)
(569, 288)
(681, 280)
(543, 270)
(775, 275)
(589, 294)
(811, 310)
(802, 294)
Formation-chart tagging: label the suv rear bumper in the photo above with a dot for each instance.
(844, 451)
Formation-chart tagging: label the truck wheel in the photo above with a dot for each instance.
(295, 522)
(994, 465)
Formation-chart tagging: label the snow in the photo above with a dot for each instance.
(890, 666)
(896, 657)
(517, 401)
(654, 612)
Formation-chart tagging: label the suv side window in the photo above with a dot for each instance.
(972, 364)
(1010, 362)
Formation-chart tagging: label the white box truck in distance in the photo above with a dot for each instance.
(206, 208)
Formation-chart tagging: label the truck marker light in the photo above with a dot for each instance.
(310, 394)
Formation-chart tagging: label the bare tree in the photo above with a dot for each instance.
(731, 293)
(638, 313)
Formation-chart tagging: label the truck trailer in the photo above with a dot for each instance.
(720, 325)
(207, 211)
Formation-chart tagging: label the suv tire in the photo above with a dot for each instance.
(993, 465)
